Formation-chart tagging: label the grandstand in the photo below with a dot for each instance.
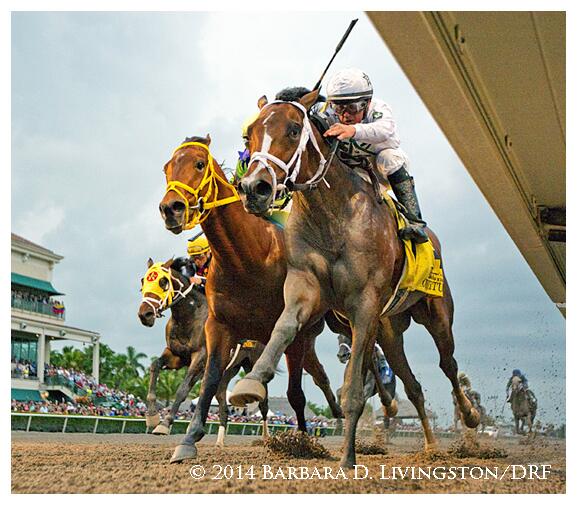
(37, 320)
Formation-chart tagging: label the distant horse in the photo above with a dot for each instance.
(523, 405)
(245, 281)
(167, 286)
(344, 254)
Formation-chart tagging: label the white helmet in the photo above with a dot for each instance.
(348, 85)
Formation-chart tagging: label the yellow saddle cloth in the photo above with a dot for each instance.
(423, 271)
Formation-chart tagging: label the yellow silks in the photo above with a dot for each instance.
(423, 272)
(151, 283)
(210, 199)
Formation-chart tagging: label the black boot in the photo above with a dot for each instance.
(403, 186)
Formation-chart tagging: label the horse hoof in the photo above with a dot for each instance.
(152, 421)
(247, 391)
(473, 419)
(392, 409)
(183, 452)
(161, 429)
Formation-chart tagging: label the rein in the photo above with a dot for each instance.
(292, 167)
(204, 204)
(166, 298)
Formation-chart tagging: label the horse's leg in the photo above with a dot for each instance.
(436, 314)
(302, 299)
(263, 406)
(218, 344)
(295, 393)
(228, 374)
(170, 362)
(364, 325)
(390, 338)
(152, 415)
(315, 369)
(193, 373)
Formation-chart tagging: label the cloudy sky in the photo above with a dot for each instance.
(99, 100)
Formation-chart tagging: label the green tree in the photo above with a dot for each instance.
(320, 410)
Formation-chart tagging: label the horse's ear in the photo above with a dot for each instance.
(168, 264)
(149, 263)
(207, 139)
(262, 101)
(309, 99)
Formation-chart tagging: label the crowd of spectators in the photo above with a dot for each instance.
(22, 369)
(37, 302)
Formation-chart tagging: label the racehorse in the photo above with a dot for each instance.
(167, 286)
(245, 280)
(523, 405)
(343, 254)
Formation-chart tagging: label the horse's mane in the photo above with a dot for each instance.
(202, 140)
(294, 93)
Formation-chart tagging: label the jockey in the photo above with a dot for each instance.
(516, 373)
(368, 130)
(199, 251)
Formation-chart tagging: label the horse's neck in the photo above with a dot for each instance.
(237, 240)
(325, 212)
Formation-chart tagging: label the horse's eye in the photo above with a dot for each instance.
(200, 165)
(294, 131)
(163, 283)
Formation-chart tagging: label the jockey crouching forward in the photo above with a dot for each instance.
(199, 252)
(367, 129)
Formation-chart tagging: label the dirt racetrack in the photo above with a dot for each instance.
(78, 463)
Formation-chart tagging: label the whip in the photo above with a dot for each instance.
(338, 48)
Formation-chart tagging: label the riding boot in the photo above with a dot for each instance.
(403, 186)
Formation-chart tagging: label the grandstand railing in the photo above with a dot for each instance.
(34, 306)
(62, 423)
(59, 380)
(54, 423)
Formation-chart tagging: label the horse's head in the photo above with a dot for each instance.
(344, 352)
(162, 286)
(517, 385)
(192, 178)
(278, 141)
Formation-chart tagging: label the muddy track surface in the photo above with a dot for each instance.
(76, 463)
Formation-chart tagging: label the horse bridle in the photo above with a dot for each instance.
(203, 205)
(292, 167)
(166, 298)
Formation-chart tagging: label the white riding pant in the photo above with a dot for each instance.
(390, 160)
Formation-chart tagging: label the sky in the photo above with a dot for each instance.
(100, 100)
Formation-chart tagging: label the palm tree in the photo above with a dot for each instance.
(133, 358)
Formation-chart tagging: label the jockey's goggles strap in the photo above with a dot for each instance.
(292, 167)
(205, 202)
(166, 298)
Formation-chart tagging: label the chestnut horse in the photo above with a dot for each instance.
(245, 281)
(167, 286)
(343, 254)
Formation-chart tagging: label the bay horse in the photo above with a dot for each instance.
(167, 286)
(523, 405)
(344, 254)
(245, 280)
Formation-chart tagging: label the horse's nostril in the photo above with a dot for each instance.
(178, 206)
(263, 189)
